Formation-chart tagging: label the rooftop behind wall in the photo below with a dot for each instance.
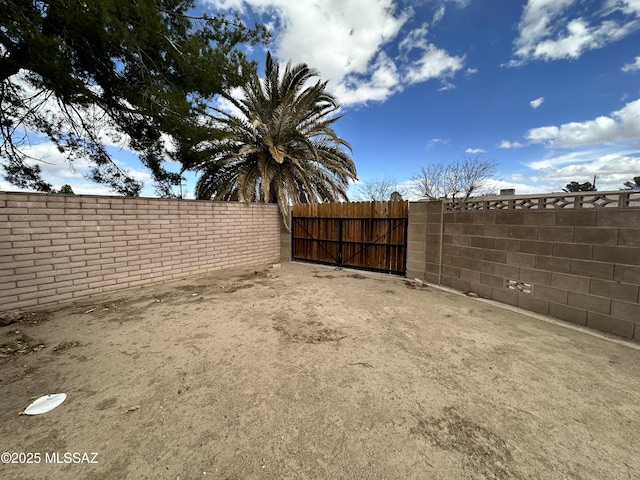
(56, 248)
(572, 256)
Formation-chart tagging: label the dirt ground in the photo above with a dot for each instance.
(305, 372)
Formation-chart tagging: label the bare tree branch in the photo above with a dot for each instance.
(379, 189)
(466, 177)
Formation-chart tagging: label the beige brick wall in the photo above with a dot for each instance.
(584, 265)
(56, 248)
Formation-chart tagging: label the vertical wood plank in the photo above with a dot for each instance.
(373, 233)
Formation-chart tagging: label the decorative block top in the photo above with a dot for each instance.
(614, 199)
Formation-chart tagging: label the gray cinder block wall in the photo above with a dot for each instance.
(285, 238)
(581, 265)
(56, 248)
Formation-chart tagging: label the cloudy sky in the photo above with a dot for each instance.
(549, 89)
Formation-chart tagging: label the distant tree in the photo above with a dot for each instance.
(66, 190)
(281, 147)
(83, 72)
(379, 189)
(395, 196)
(634, 185)
(432, 181)
(579, 187)
(460, 179)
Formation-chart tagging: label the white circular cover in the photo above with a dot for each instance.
(45, 404)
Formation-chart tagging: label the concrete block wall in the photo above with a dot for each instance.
(285, 245)
(583, 264)
(285, 238)
(423, 241)
(56, 248)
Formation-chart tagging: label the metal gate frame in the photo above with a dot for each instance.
(394, 222)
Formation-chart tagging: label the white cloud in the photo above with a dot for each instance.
(546, 32)
(71, 119)
(350, 41)
(227, 4)
(226, 106)
(337, 38)
(627, 6)
(605, 147)
(508, 144)
(434, 141)
(382, 82)
(434, 63)
(460, 3)
(52, 163)
(475, 151)
(415, 39)
(438, 15)
(622, 125)
(633, 66)
(610, 169)
(57, 170)
(55, 167)
(536, 103)
(446, 85)
(542, 134)
(521, 185)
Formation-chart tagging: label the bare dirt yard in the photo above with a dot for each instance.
(306, 372)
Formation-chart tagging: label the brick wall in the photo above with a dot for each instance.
(578, 265)
(55, 248)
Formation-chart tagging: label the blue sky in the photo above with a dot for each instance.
(549, 89)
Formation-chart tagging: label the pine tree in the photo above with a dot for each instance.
(77, 70)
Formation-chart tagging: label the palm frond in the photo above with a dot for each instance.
(281, 147)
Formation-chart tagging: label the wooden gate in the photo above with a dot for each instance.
(365, 235)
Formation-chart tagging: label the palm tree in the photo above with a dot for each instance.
(280, 146)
